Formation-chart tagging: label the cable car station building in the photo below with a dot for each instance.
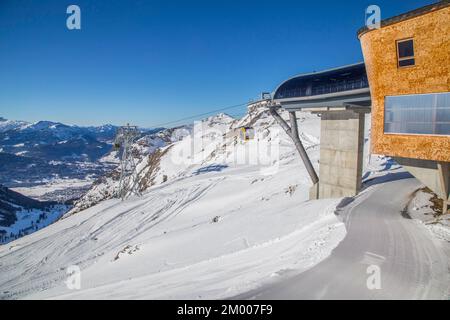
(341, 96)
(404, 83)
(408, 65)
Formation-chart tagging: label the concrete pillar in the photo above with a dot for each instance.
(341, 153)
(426, 171)
(435, 175)
(444, 177)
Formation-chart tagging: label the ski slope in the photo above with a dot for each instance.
(216, 228)
(175, 248)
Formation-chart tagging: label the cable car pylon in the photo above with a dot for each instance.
(125, 137)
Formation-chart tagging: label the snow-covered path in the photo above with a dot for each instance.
(412, 264)
(168, 244)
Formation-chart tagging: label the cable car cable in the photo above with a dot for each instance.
(198, 115)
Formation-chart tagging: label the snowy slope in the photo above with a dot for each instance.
(144, 151)
(20, 215)
(218, 216)
(209, 145)
(171, 248)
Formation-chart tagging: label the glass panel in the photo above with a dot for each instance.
(418, 114)
(407, 62)
(405, 48)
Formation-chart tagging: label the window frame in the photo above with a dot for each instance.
(413, 57)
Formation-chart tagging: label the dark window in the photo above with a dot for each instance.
(406, 48)
(406, 62)
(405, 53)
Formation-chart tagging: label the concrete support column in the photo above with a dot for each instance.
(435, 175)
(444, 177)
(341, 153)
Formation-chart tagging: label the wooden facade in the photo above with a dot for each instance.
(429, 28)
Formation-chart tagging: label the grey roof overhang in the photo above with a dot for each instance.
(319, 73)
(347, 99)
(357, 96)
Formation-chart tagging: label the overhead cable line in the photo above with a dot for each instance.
(198, 115)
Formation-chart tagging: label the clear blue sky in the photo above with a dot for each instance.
(149, 62)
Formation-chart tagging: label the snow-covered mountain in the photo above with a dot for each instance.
(20, 215)
(146, 151)
(35, 153)
(56, 141)
(209, 145)
(218, 215)
(38, 153)
(50, 161)
(6, 125)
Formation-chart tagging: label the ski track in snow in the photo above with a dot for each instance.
(35, 266)
(169, 244)
(108, 225)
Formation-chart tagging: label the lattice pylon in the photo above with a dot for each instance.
(128, 184)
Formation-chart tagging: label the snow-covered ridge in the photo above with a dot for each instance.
(6, 125)
(148, 151)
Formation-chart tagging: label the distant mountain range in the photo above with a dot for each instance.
(34, 153)
(44, 153)
(6, 125)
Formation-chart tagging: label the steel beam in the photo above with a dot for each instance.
(292, 131)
